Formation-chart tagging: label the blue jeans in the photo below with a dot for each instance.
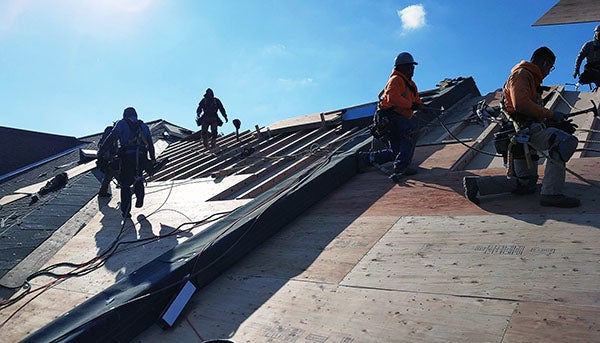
(401, 147)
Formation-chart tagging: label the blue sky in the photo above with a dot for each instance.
(70, 67)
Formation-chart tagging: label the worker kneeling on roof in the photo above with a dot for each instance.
(536, 127)
(136, 144)
(397, 103)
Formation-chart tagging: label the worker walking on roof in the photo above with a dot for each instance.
(105, 162)
(397, 103)
(136, 144)
(591, 52)
(536, 126)
(206, 116)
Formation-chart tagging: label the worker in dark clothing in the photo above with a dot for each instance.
(106, 162)
(136, 144)
(591, 52)
(537, 126)
(206, 116)
(397, 103)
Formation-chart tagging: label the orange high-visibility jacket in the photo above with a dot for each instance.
(521, 92)
(399, 94)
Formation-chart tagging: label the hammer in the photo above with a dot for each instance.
(431, 109)
(593, 109)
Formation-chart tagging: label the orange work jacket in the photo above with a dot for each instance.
(399, 94)
(521, 92)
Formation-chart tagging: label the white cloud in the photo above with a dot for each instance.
(290, 84)
(413, 17)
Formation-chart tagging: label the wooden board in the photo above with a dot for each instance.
(11, 197)
(542, 322)
(260, 309)
(38, 313)
(317, 247)
(545, 258)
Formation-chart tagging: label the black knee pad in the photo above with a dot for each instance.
(562, 145)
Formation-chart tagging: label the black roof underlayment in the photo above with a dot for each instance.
(124, 310)
(41, 220)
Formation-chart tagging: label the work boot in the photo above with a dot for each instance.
(407, 171)
(471, 188)
(558, 200)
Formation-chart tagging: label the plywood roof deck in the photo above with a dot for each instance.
(374, 261)
(414, 262)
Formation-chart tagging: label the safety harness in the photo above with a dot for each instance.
(139, 142)
(519, 139)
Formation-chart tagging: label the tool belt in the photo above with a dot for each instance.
(502, 140)
(109, 163)
(518, 147)
(381, 128)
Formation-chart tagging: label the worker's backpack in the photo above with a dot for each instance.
(105, 161)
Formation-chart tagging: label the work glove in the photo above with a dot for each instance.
(575, 74)
(558, 116)
(566, 125)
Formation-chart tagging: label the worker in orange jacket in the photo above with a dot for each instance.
(544, 130)
(397, 103)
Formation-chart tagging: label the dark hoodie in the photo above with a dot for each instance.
(209, 105)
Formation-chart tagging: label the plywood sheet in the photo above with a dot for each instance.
(548, 258)
(542, 322)
(39, 311)
(317, 248)
(273, 310)
(167, 205)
